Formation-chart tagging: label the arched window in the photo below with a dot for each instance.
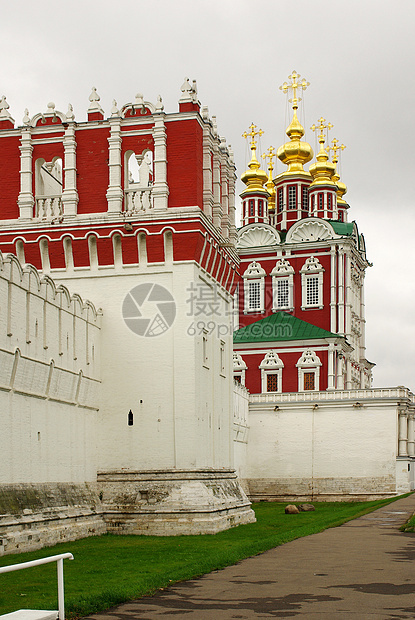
(309, 371)
(239, 368)
(254, 287)
(282, 286)
(138, 180)
(312, 283)
(48, 188)
(271, 372)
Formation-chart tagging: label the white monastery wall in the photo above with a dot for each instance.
(323, 449)
(240, 431)
(181, 401)
(177, 455)
(49, 380)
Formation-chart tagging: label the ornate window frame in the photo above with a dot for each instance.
(282, 272)
(312, 275)
(239, 367)
(271, 365)
(309, 362)
(254, 275)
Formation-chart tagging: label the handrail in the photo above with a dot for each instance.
(52, 558)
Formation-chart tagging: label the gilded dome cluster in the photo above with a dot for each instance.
(295, 154)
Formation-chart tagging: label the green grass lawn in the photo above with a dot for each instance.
(109, 569)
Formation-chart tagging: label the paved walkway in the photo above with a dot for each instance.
(363, 569)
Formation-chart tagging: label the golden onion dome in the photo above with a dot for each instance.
(254, 178)
(323, 170)
(270, 155)
(341, 189)
(295, 153)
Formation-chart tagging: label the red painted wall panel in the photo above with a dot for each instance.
(56, 254)
(129, 249)
(32, 254)
(80, 252)
(155, 248)
(9, 177)
(92, 165)
(105, 251)
(185, 163)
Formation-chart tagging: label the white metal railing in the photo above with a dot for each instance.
(52, 558)
(137, 199)
(48, 207)
(333, 395)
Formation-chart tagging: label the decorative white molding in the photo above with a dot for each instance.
(311, 270)
(94, 105)
(254, 270)
(254, 284)
(4, 110)
(257, 235)
(239, 367)
(271, 364)
(309, 362)
(309, 358)
(282, 268)
(310, 230)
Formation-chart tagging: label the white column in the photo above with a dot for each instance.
(232, 210)
(348, 373)
(207, 172)
(403, 434)
(225, 200)
(115, 192)
(160, 190)
(333, 323)
(331, 376)
(340, 371)
(348, 294)
(26, 200)
(341, 291)
(70, 195)
(217, 206)
(411, 436)
(362, 318)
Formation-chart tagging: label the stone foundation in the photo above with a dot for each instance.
(173, 502)
(320, 489)
(33, 516)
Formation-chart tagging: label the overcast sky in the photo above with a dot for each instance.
(358, 56)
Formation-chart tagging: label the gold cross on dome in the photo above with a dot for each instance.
(252, 133)
(321, 126)
(270, 154)
(293, 86)
(335, 147)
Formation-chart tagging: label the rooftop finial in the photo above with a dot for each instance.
(94, 98)
(251, 134)
(322, 126)
(254, 178)
(335, 147)
(270, 154)
(294, 86)
(342, 189)
(323, 170)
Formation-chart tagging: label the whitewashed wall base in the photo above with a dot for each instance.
(33, 516)
(173, 502)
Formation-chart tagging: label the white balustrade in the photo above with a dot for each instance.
(137, 199)
(49, 207)
(334, 395)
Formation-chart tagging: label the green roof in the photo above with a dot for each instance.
(280, 327)
(341, 228)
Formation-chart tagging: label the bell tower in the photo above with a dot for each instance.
(255, 196)
(292, 185)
